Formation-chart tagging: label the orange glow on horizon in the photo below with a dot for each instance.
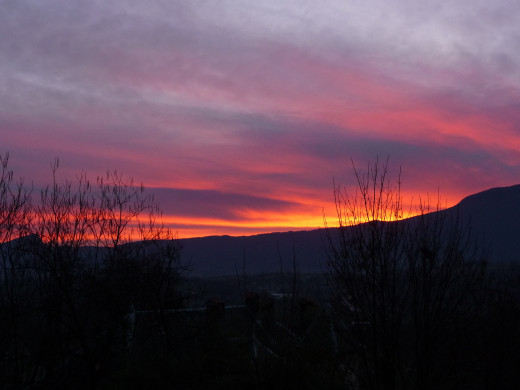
(255, 222)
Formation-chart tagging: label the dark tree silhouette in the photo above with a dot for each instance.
(405, 289)
(15, 274)
(75, 265)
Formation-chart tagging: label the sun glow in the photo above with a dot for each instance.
(200, 226)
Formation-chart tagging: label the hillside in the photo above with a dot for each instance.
(493, 214)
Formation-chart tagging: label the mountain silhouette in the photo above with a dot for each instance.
(493, 216)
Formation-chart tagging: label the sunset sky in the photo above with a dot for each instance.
(239, 114)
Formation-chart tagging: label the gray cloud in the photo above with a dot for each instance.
(218, 204)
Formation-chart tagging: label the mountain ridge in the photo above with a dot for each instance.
(491, 215)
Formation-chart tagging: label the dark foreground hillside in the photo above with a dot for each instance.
(392, 306)
(263, 332)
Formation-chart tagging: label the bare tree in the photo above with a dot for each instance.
(15, 272)
(105, 250)
(403, 288)
(72, 266)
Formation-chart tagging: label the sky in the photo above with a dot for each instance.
(239, 115)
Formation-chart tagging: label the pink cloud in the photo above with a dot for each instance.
(197, 99)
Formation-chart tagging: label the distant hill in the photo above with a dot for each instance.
(263, 253)
(494, 216)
